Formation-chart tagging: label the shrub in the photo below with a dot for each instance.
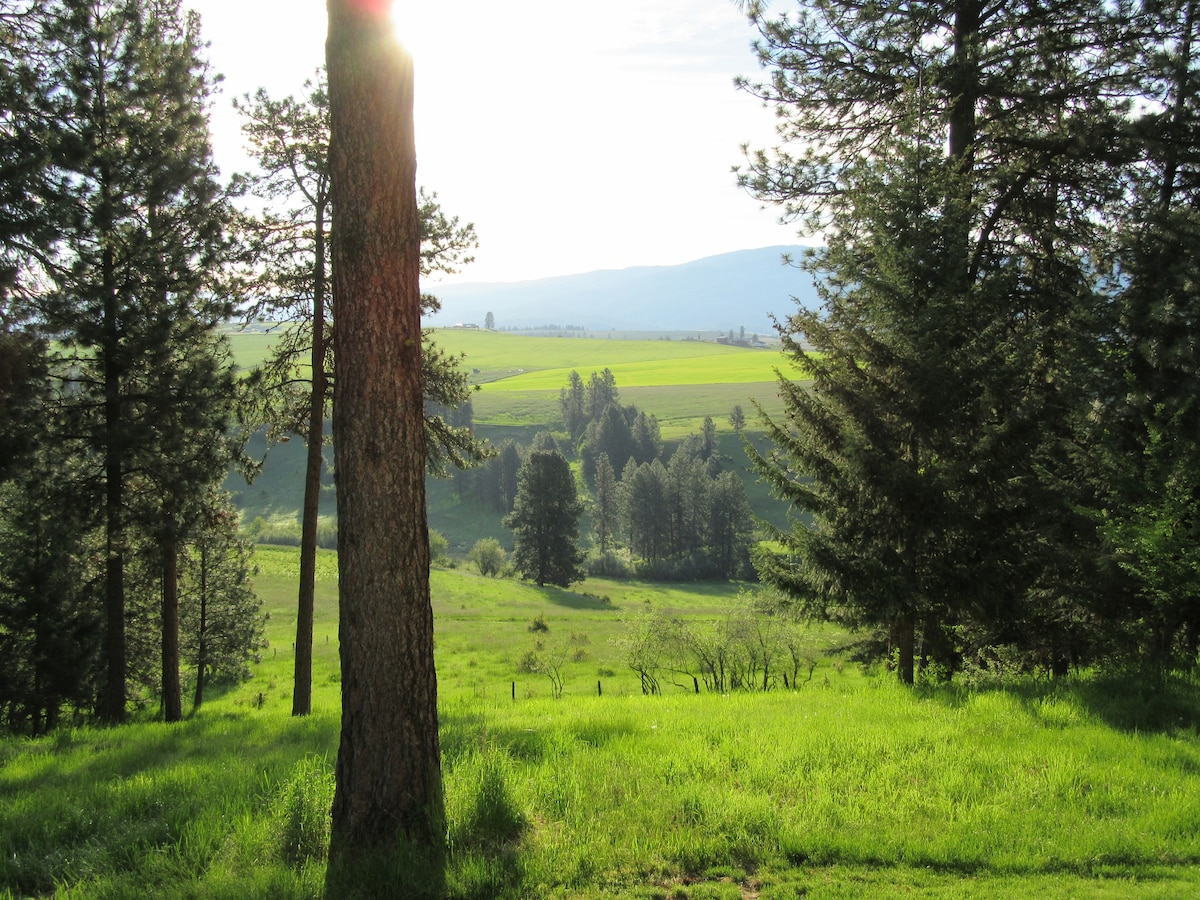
(327, 533)
(610, 564)
(488, 556)
(439, 547)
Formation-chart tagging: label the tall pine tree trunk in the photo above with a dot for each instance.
(113, 704)
(388, 776)
(202, 637)
(172, 694)
(302, 689)
(904, 637)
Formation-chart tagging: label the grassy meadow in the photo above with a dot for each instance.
(680, 382)
(846, 787)
(519, 377)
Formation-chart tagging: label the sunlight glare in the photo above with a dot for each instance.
(407, 22)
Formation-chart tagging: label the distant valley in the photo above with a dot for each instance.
(731, 291)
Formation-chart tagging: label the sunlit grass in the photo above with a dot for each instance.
(738, 367)
(848, 787)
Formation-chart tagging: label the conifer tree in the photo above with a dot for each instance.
(26, 220)
(730, 526)
(606, 506)
(545, 521)
(133, 272)
(643, 506)
(572, 401)
(1146, 437)
(221, 617)
(956, 153)
(50, 614)
(289, 249)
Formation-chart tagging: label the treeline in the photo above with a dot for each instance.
(122, 575)
(682, 515)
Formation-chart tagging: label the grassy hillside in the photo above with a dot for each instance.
(542, 363)
(680, 382)
(680, 408)
(847, 787)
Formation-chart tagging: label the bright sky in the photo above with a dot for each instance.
(576, 136)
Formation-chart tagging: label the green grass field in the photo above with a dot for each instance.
(680, 382)
(848, 787)
(543, 363)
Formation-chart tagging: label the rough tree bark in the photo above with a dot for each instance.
(388, 768)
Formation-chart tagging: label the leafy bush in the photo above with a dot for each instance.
(610, 564)
(439, 547)
(488, 556)
(288, 534)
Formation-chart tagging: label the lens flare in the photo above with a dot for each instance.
(373, 7)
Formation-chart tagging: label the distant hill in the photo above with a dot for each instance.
(717, 293)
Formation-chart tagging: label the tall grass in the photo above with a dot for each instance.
(848, 787)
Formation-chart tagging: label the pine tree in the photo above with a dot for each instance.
(545, 521)
(1146, 437)
(26, 226)
(643, 506)
(606, 506)
(572, 401)
(288, 248)
(220, 615)
(956, 156)
(50, 614)
(687, 499)
(133, 272)
(26, 221)
(737, 418)
(600, 394)
(880, 448)
(647, 437)
(730, 526)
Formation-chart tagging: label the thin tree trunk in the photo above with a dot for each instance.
(302, 687)
(113, 704)
(172, 694)
(1181, 91)
(388, 775)
(202, 637)
(904, 636)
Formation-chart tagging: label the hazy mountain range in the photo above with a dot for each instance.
(717, 293)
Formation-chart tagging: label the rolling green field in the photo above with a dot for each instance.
(543, 363)
(495, 356)
(735, 366)
(847, 787)
(680, 382)
(520, 377)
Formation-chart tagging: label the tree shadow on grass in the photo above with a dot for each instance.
(1135, 702)
(1140, 702)
(574, 600)
(465, 732)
